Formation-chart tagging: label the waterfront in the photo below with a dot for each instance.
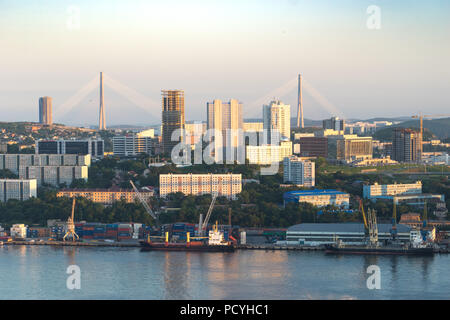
(39, 272)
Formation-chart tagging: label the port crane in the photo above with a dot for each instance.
(370, 225)
(203, 224)
(145, 204)
(71, 225)
(394, 218)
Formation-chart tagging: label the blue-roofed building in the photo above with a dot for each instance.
(319, 198)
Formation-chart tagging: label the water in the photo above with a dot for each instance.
(39, 272)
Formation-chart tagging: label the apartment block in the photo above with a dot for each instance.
(54, 175)
(267, 154)
(19, 189)
(380, 190)
(227, 185)
(299, 172)
(105, 196)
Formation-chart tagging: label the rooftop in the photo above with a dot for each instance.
(314, 192)
(344, 227)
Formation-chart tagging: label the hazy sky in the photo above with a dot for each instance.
(223, 49)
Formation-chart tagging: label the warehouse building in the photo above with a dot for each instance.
(348, 233)
(319, 198)
(19, 189)
(54, 175)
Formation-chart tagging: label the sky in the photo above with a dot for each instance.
(248, 50)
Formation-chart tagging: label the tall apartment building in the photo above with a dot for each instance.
(172, 117)
(45, 110)
(299, 172)
(268, 154)
(94, 147)
(277, 118)
(334, 124)
(250, 126)
(54, 175)
(194, 131)
(406, 145)
(381, 190)
(134, 144)
(13, 162)
(105, 196)
(351, 147)
(226, 185)
(226, 117)
(19, 189)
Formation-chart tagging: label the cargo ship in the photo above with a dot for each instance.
(215, 242)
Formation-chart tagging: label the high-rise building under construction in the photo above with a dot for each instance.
(45, 110)
(407, 145)
(172, 117)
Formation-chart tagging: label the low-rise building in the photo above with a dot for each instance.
(19, 189)
(379, 190)
(227, 185)
(105, 196)
(370, 162)
(319, 198)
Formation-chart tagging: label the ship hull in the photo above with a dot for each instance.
(378, 251)
(146, 246)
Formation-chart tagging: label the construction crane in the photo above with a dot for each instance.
(203, 224)
(145, 204)
(71, 225)
(366, 226)
(421, 116)
(394, 218)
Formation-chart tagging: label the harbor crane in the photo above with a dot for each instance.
(71, 225)
(202, 225)
(145, 204)
(394, 218)
(370, 225)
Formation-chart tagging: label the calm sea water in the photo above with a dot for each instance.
(38, 272)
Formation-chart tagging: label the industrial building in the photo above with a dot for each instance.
(319, 198)
(226, 185)
(268, 154)
(45, 110)
(54, 175)
(172, 117)
(105, 196)
(94, 147)
(13, 162)
(299, 172)
(348, 233)
(410, 193)
(19, 189)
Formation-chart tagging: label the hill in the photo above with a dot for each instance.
(436, 128)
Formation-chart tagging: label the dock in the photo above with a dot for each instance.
(264, 246)
(75, 244)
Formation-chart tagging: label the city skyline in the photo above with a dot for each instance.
(359, 72)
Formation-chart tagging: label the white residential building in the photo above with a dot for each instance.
(19, 189)
(299, 172)
(382, 190)
(277, 118)
(13, 162)
(268, 154)
(54, 175)
(227, 185)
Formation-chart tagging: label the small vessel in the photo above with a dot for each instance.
(215, 243)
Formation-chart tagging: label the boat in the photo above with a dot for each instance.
(215, 242)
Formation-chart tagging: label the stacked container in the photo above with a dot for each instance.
(124, 231)
(112, 231)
